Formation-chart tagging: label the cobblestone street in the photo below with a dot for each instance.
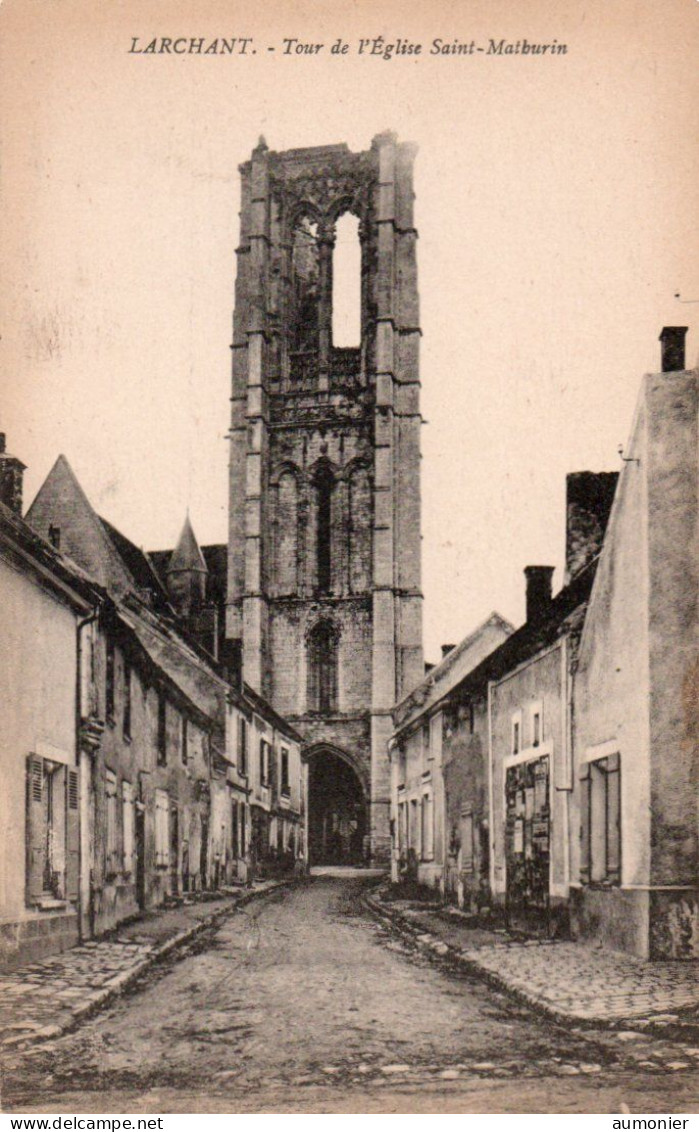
(303, 1002)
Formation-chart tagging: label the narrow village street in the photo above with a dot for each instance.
(303, 1002)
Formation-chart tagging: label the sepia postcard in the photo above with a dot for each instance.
(349, 559)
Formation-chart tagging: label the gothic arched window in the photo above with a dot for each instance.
(322, 667)
(346, 283)
(286, 519)
(304, 271)
(360, 523)
(324, 488)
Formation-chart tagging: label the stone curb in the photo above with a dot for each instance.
(101, 998)
(427, 941)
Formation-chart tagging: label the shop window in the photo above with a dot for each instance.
(600, 832)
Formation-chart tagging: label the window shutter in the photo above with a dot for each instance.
(36, 828)
(72, 836)
(585, 862)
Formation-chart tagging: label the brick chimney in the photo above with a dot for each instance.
(446, 649)
(11, 476)
(672, 348)
(589, 498)
(539, 588)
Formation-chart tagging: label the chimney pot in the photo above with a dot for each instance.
(539, 589)
(11, 478)
(672, 348)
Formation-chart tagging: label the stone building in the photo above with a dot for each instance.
(420, 828)
(323, 596)
(151, 711)
(258, 784)
(166, 802)
(635, 843)
(482, 754)
(45, 599)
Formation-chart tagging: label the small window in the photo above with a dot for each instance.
(242, 745)
(427, 828)
(264, 762)
(109, 681)
(536, 729)
(112, 835)
(127, 794)
(471, 718)
(126, 717)
(185, 749)
(285, 788)
(162, 829)
(467, 842)
(516, 736)
(162, 731)
(235, 836)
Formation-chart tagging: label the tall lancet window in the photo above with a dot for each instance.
(287, 534)
(359, 530)
(322, 667)
(346, 283)
(304, 291)
(324, 489)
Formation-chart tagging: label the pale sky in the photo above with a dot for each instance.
(556, 201)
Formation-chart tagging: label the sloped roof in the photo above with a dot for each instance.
(566, 616)
(453, 667)
(37, 554)
(138, 565)
(187, 554)
(216, 560)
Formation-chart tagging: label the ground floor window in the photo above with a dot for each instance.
(467, 842)
(111, 825)
(52, 830)
(427, 827)
(402, 829)
(162, 828)
(600, 817)
(127, 823)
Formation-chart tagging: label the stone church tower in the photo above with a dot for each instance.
(324, 595)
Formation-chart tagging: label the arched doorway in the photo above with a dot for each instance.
(337, 819)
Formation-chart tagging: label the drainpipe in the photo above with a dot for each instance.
(491, 808)
(82, 623)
